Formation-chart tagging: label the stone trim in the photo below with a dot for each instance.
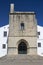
(23, 36)
(22, 13)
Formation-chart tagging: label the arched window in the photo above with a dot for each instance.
(22, 26)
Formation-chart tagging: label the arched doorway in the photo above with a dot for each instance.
(22, 48)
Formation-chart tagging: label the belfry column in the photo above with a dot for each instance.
(11, 8)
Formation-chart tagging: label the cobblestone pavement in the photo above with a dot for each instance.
(21, 60)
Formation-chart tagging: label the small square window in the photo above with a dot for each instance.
(38, 33)
(5, 33)
(4, 46)
(39, 44)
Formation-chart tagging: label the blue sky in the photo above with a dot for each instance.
(21, 5)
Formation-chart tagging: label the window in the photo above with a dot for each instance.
(39, 44)
(5, 33)
(4, 46)
(22, 26)
(38, 33)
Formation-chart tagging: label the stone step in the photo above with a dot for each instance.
(21, 60)
(23, 57)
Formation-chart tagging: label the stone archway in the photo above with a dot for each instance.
(22, 47)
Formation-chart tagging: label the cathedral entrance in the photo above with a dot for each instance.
(22, 48)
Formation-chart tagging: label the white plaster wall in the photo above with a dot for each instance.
(40, 40)
(40, 29)
(3, 40)
(40, 49)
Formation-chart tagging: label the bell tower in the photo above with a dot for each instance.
(22, 37)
